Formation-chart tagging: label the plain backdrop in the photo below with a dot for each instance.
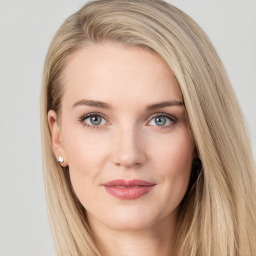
(26, 29)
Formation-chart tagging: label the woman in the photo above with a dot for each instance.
(144, 145)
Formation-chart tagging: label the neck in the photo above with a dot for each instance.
(157, 240)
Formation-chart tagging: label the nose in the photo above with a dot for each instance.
(128, 148)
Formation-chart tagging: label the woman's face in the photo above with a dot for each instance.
(124, 136)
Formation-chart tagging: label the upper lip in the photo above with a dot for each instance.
(128, 183)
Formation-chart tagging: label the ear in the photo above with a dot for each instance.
(57, 144)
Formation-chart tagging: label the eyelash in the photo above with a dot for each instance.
(171, 118)
(84, 117)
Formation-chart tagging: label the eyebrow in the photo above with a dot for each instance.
(92, 103)
(104, 105)
(165, 104)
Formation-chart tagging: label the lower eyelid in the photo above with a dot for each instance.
(87, 116)
(169, 118)
(82, 119)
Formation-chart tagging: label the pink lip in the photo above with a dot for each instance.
(128, 189)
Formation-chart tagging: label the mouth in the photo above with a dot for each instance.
(128, 189)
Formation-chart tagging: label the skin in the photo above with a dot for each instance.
(127, 144)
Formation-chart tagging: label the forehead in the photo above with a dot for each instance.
(115, 73)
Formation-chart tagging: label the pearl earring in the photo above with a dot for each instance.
(60, 160)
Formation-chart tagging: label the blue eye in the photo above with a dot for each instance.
(93, 120)
(162, 120)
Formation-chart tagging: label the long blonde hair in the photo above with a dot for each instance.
(218, 214)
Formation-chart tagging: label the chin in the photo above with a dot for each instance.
(128, 225)
(130, 219)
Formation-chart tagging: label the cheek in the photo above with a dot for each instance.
(174, 159)
(84, 149)
(86, 154)
(175, 151)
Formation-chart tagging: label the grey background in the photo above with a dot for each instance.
(26, 28)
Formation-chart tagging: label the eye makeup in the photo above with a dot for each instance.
(96, 120)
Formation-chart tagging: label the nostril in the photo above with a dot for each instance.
(128, 150)
(131, 160)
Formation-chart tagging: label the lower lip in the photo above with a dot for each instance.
(128, 193)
